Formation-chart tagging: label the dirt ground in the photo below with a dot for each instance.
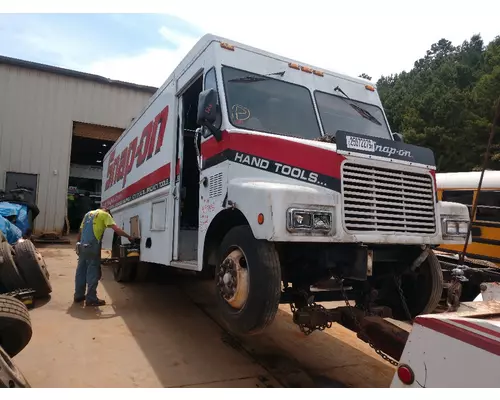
(163, 332)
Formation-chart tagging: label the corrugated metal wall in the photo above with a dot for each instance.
(37, 110)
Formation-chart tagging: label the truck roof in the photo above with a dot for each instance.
(200, 46)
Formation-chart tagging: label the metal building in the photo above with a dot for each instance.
(46, 114)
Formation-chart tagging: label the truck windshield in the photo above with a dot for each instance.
(268, 104)
(341, 113)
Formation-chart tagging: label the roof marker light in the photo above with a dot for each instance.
(227, 46)
(370, 88)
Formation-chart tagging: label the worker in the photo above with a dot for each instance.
(84, 204)
(88, 248)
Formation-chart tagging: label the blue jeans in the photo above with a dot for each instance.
(88, 273)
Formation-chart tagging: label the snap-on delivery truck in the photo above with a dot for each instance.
(283, 183)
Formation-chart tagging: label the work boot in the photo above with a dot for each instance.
(78, 299)
(96, 303)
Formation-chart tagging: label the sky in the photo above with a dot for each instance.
(378, 37)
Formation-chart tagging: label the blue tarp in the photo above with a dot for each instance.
(20, 211)
(11, 232)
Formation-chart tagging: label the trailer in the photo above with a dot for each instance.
(283, 183)
(458, 349)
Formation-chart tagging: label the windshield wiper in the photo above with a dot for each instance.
(361, 111)
(253, 78)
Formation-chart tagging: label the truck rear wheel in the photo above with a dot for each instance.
(125, 270)
(248, 282)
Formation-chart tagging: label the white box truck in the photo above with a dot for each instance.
(284, 183)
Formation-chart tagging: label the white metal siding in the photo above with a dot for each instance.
(37, 110)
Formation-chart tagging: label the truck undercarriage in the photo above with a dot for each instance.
(378, 275)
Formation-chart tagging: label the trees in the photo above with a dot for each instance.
(447, 101)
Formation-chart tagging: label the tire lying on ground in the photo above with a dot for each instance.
(32, 268)
(15, 325)
(10, 278)
(10, 375)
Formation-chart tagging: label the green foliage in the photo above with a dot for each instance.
(447, 102)
(365, 76)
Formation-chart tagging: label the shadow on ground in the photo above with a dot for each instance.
(323, 359)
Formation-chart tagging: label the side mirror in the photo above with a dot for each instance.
(398, 137)
(207, 112)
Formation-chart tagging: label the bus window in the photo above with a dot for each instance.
(459, 196)
(488, 206)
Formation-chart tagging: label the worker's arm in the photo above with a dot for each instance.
(110, 223)
(121, 232)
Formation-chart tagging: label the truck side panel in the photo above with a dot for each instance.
(138, 173)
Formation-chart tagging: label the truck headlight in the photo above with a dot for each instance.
(455, 227)
(301, 220)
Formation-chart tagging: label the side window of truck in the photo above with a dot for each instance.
(211, 83)
(459, 196)
(488, 206)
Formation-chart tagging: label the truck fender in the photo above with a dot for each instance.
(272, 199)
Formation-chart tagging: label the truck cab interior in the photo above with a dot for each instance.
(190, 176)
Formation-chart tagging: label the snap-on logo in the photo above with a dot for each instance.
(362, 144)
(139, 150)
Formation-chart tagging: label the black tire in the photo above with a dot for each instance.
(32, 268)
(422, 290)
(264, 282)
(206, 274)
(433, 270)
(10, 278)
(125, 270)
(15, 325)
(10, 375)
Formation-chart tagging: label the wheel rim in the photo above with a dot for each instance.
(232, 279)
(17, 378)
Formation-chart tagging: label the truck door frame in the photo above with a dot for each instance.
(179, 155)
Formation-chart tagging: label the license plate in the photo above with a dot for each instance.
(356, 143)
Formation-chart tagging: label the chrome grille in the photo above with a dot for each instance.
(385, 200)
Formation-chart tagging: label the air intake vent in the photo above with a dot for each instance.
(385, 200)
(215, 182)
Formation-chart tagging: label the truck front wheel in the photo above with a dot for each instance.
(248, 282)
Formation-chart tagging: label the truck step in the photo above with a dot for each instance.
(191, 265)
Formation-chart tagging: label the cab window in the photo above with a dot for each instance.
(488, 206)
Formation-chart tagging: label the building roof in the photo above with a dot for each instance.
(74, 74)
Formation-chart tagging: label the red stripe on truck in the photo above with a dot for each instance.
(153, 178)
(477, 327)
(280, 149)
(464, 335)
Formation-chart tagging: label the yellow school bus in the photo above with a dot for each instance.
(461, 187)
